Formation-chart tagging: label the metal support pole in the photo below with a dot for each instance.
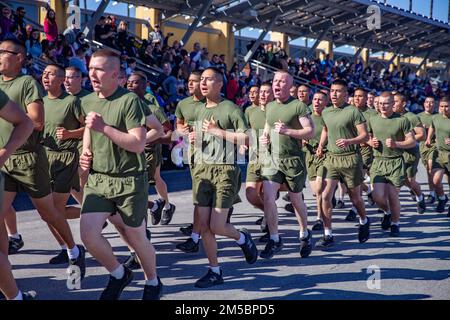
(90, 25)
(319, 39)
(194, 24)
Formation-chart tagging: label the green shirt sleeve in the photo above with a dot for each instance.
(303, 110)
(3, 99)
(134, 114)
(32, 91)
(76, 108)
(358, 117)
(238, 120)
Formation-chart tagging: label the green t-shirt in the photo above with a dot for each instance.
(289, 113)
(341, 124)
(64, 111)
(186, 110)
(414, 120)
(426, 119)
(441, 125)
(152, 99)
(23, 90)
(395, 127)
(368, 113)
(216, 150)
(123, 111)
(159, 114)
(256, 120)
(312, 144)
(83, 93)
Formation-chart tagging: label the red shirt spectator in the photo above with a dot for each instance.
(232, 88)
(50, 26)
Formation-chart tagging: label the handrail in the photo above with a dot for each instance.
(272, 70)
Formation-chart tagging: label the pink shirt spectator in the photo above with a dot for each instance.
(51, 30)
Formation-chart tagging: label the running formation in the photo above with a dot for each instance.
(104, 149)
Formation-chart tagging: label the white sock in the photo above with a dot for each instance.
(419, 198)
(195, 237)
(354, 209)
(215, 269)
(275, 237)
(387, 213)
(442, 197)
(303, 234)
(15, 236)
(153, 282)
(167, 206)
(19, 296)
(119, 272)
(241, 240)
(155, 206)
(328, 232)
(63, 247)
(396, 223)
(363, 222)
(73, 253)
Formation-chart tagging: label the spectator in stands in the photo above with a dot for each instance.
(242, 100)
(131, 66)
(6, 22)
(222, 63)
(48, 52)
(14, 33)
(122, 36)
(232, 87)
(28, 29)
(103, 32)
(34, 47)
(185, 64)
(169, 84)
(79, 40)
(79, 61)
(71, 33)
(196, 54)
(19, 19)
(156, 35)
(204, 59)
(50, 26)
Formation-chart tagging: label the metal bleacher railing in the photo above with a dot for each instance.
(266, 72)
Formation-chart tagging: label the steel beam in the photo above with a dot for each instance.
(88, 29)
(197, 20)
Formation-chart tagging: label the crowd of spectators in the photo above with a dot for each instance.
(68, 48)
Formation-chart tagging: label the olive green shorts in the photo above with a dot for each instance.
(443, 160)
(429, 154)
(63, 170)
(216, 186)
(28, 172)
(388, 170)
(314, 166)
(125, 194)
(151, 161)
(367, 156)
(254, 172)
(411, 164)
(290, 171)
(347, 168)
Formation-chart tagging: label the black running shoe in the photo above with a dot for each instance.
(430, 199)
(15, 245)
(188, 246)
(364, 231)
(187, 230)
(318, 226)
(395, 230)
(132, 262)
(209, 279)
(286, 197)
(306, 245)
(259, 221)
(148, 234)
(441, 205)
(386, 222)
(230, 212)
(156, 215)
(351, 216)
(80, 262)
(340, 204)
(29, 295)
(278, 195)
(370, 200)
(421, 206)
(167, 214)
(325, 242)
(271, 248)
(264, 238)
(153, 292)
(115, 286)
(289, 207)
(61, 258)
(249, 247)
